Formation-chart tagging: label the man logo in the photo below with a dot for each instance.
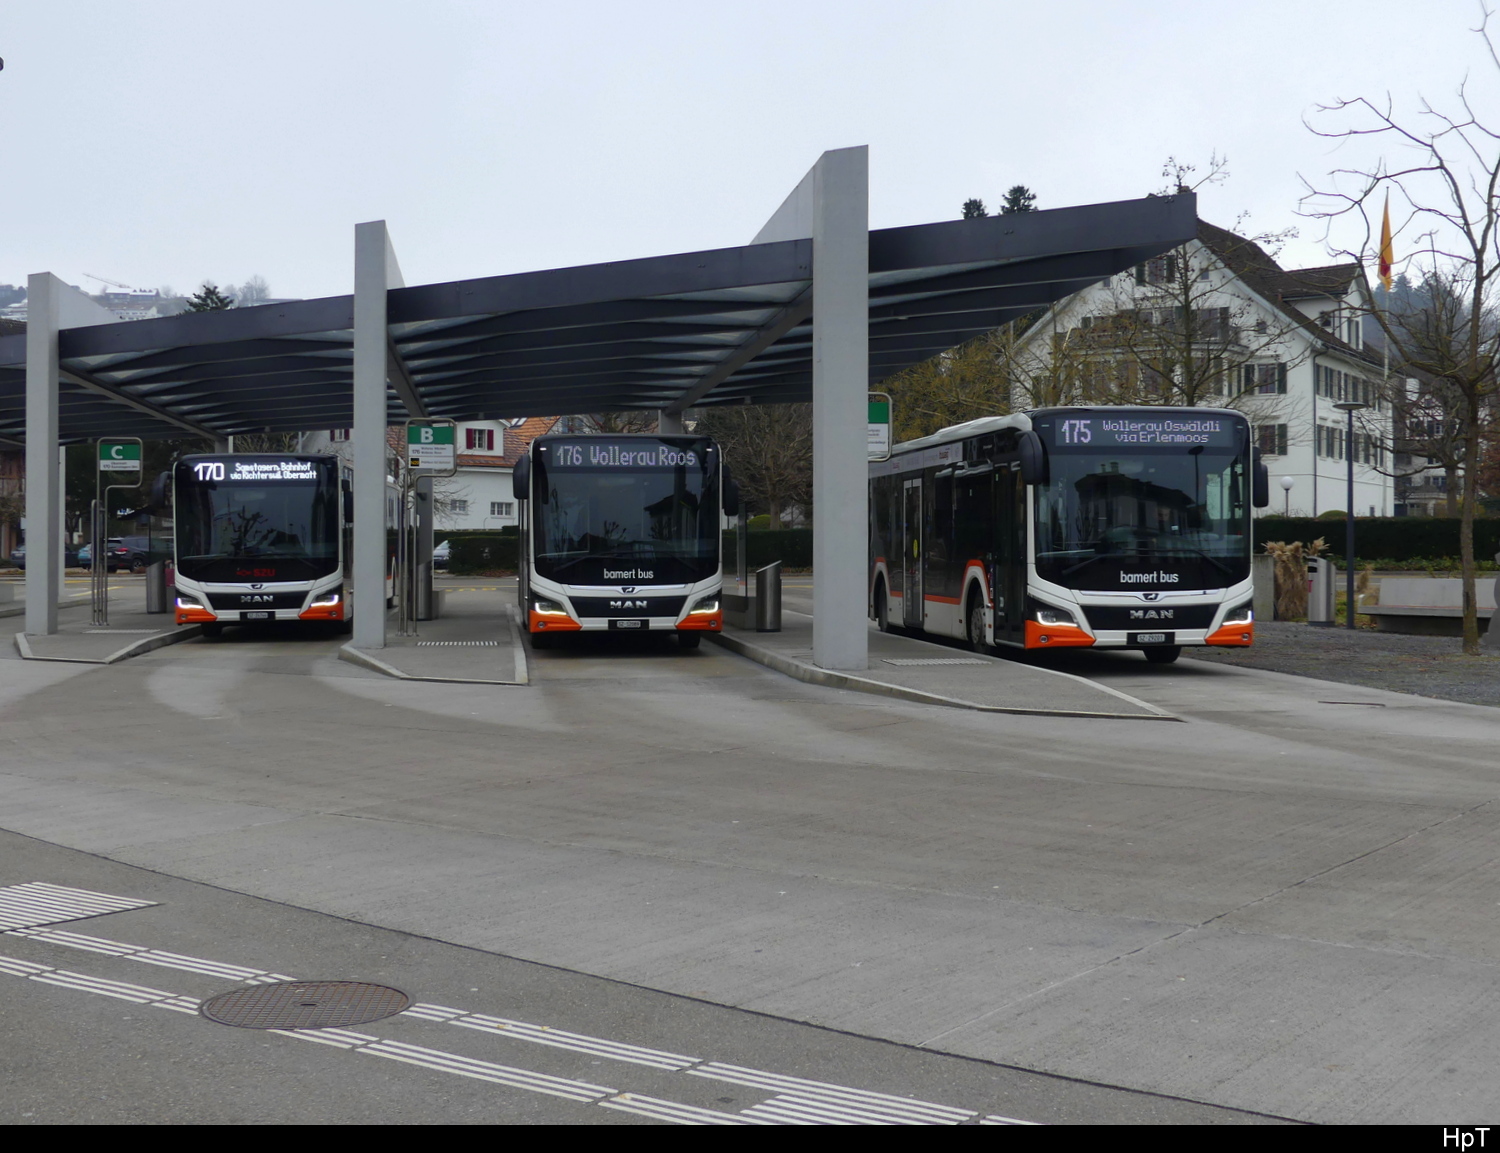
(1150, 596)
(1151, 614)
(263, 599)
(627, 588)
(627, 604)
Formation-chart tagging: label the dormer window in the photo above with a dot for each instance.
(481, 439)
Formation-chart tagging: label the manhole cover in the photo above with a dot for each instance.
(305, 1005)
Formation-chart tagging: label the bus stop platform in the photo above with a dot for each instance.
(131, 630)
(473, 642)
(912, 669)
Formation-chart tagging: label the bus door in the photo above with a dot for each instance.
(911, 555)
(1010, 551)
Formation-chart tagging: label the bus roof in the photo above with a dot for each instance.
(1021, 421)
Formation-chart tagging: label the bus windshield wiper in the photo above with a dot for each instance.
(1213, 560)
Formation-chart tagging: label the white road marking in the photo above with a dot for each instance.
(795, 1101)
(487, 1071)
(894, 1109)
(674, 1112)
(38, 903)
(594, 1046)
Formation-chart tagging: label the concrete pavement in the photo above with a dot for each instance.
(1282, 905)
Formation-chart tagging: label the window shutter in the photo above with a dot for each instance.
(1281, 378)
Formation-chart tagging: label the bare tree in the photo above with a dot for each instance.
(1445, 187)
(769, 450)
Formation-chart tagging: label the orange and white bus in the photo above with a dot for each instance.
(1094, 527)
(621, 533)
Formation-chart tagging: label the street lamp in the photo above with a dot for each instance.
(1350, 407)
(1286, 487)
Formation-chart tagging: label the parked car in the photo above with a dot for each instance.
(117, 552)
(70, 556)
(440, 556)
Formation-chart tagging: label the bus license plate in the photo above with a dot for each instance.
(637, 623)
(255, 616)
(1150, 638)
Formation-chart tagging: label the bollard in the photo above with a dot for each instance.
(768, 598)
(427, 604)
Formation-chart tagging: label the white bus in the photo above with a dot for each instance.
(1071, 527)
(621, 534)
(262, 537)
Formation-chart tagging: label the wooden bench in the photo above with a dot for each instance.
(1429, 606)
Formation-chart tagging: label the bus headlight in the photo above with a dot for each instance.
(327, 600)
(1046, 615)
(188, 601)
(1241, 614)
(548, 608)
(708, 604)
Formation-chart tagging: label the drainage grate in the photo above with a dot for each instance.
(420, 643)
(936, 661)
(305, 1005)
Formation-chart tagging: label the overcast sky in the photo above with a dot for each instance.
(168, 142)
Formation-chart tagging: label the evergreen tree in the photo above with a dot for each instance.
(1018, 199)
(973, 209)
(208, 299)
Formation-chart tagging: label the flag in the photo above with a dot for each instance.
(1387, 255)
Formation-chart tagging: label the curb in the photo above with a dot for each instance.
(134, 649)
(836, 680)
(364, 660)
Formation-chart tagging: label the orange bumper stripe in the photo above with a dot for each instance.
(1232, 635)
(1040, 636)
(709, 621)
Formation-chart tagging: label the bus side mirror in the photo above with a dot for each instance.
(520, 479)
(1033, 459)
(731, 498)
(160, 488)
(1260, 483)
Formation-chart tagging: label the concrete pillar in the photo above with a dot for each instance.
(831, 205)
(51, 306)
(375, 271)
(667, 421)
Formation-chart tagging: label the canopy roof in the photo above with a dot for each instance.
(727, 326)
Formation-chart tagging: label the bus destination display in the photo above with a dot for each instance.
(1146, 432)
(255, 470)
(633, 456)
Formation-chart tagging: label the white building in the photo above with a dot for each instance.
(480, 495)
(1284, 346)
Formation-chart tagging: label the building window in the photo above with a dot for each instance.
(1271, 439)
(502, 508)
(337, 434)
(458, 507)
(1266, 379)
(480, 438)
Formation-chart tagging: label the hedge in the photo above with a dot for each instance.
(1397, 538)
(791, 546)
(471, 553)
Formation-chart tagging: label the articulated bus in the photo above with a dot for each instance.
(1071, 527)
(621, 533)
(262, 537)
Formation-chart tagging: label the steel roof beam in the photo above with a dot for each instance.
(786, 320)
(165, 416)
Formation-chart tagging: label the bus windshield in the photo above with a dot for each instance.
(1137, 517)
(262, 523)
(635, 510)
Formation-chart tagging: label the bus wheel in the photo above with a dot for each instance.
(1163, 655)
(976, 626)
(882, 610)
(212, 631)
(687, 642)
(541, 641)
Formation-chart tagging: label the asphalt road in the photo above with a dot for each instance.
(1280, 908)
